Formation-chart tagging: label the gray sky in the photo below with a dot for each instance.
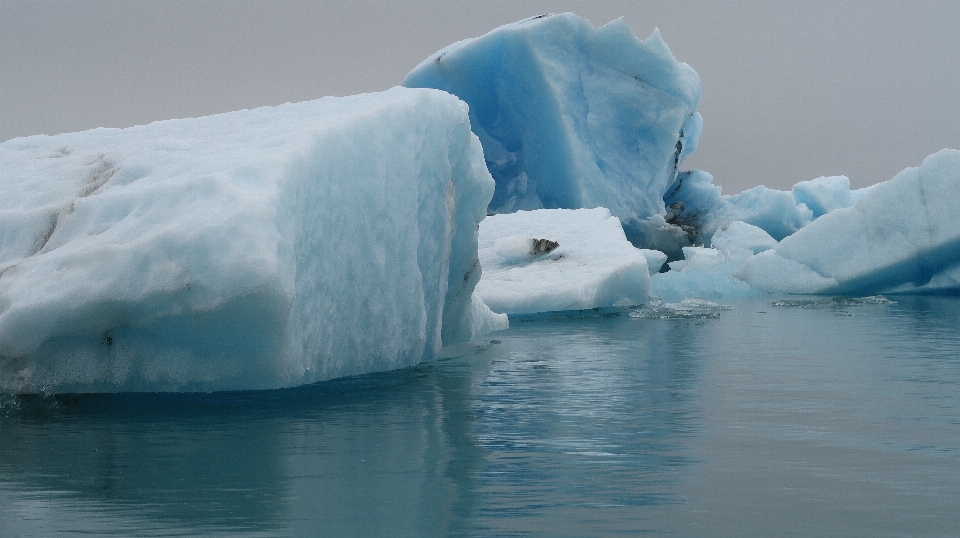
(791, 90)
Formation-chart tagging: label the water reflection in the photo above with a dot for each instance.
(766, 421)
(585, 422)
(561, 416)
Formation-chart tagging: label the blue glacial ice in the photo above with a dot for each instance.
(707, 273)
(255, 249)
(704, 273)
(551, 260)
(571, 116)
(901, 236)
(696, 209)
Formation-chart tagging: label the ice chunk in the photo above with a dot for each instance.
(778, 213)
(902, 235)
(774, 211)
(255, 249)
(685, 309)
(593, 265)
(571, 116)
(836, 302)
(824, 194)
(739, 234)
(704, 273)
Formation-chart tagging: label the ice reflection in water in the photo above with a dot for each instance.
(583, 427)
(756, 421)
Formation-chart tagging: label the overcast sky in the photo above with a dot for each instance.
(791, 90)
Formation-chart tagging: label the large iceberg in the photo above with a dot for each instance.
(254, 249)
(571, 116)
(902, 235)
(561, 259)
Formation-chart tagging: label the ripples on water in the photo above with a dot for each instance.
(835, 417)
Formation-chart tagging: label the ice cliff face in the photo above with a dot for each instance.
(571, 116)
(255, 249)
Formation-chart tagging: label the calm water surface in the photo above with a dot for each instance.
(837, 420)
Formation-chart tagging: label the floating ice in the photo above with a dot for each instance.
(739, 234)
(704, 273)
(901, 236)
(571, 116)
(685, 309)
(837, 301)
(260, 248)
(593, 264)
(823, 195)
(702, 209)
(778, 213)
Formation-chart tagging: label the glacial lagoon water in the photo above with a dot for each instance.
(805, 418)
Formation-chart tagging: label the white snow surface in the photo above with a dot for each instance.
(571, 116)
(255, 249)
(902, 235)
(593, 266)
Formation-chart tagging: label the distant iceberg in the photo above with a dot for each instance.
(899, 236)
(902, 236)
(571, 116)
(551, 260)
(255, 249)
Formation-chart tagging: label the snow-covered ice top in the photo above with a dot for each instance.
(571, 116)
(588, 262)
(259, 248)
(901, 236)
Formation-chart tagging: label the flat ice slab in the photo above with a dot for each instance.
(592, 264)
(902, 235)
(255, 249)
(571, 116)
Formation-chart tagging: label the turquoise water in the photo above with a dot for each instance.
(804, 419)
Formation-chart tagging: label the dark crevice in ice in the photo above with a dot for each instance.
(100, 174)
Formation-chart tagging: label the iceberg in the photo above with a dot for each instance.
(552, 260)
(901, 236)
(255, 249)
(573, 117)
